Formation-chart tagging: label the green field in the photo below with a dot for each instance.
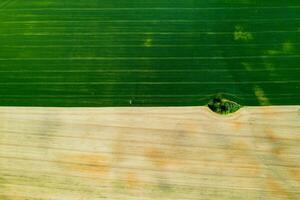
(149, 53)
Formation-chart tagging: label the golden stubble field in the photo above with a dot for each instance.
(149, 153)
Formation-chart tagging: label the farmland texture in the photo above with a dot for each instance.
(149, 53)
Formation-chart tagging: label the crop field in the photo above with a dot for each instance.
(149, 53)
(178, 153)
(113, 99)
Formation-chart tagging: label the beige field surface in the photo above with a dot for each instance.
(149, 153)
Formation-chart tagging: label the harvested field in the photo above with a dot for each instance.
(149, 153)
